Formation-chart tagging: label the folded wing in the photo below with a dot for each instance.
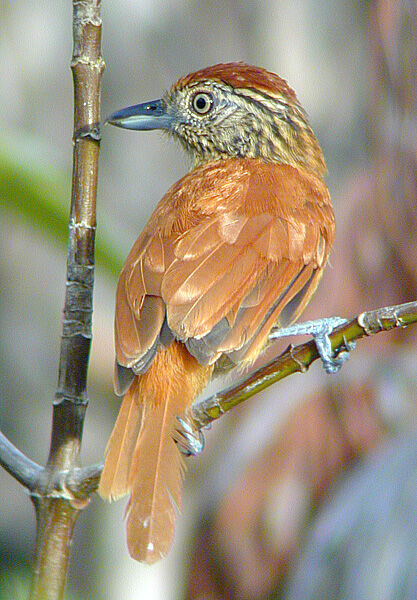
(218, 282)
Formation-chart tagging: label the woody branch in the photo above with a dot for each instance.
(80, 483)
(56, 507)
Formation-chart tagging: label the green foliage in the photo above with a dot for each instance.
(15, 584)
(37, 193)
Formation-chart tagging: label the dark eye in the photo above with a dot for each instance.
(202, 103)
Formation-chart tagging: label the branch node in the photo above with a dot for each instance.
(98, 64)
(399, 322)
(370, 322)
(219, 405)
(80, 225)
(91, 131)
(301, 367)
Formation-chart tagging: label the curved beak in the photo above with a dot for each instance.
(146, 116)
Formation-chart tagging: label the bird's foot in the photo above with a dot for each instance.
(189, 439)
(320, 330)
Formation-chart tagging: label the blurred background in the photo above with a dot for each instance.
(310, 489)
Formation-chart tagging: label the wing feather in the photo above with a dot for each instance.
(227, 253)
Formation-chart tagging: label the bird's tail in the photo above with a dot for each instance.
(142, 457)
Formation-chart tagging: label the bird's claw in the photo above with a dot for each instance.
(332, 362)
(189, 439)
(320, 330)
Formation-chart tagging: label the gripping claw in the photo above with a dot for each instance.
(320, 330)
(189, 439)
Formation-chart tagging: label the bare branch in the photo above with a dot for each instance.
(84, 481)
(71, 402)
(73, 485)
(55, 505)
(299, 358)
(24, 470)
(81, 483)
(78, 484)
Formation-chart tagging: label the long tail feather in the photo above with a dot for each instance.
(142, 457)
(120, 448)
(156, 482)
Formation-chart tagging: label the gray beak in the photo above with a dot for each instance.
(149, 115)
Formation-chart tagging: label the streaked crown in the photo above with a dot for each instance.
(238, 110)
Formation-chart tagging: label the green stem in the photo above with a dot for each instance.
(298, 359)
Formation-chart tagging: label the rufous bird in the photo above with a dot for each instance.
(234, 248)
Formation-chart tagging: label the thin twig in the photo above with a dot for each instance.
(24, 470)
(82, 482)
(299, 358)
(79, 483)
(74, 485)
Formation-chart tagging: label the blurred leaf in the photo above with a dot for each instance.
(15, 584)
(40, 195)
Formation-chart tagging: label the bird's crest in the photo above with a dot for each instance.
(239, 76)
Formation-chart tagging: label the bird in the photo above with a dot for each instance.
(234, 249)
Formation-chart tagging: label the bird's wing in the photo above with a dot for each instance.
(221, 283)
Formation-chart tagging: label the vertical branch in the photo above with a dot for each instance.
(71, 401)
(57, 512)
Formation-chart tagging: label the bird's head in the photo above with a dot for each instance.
(231, 110)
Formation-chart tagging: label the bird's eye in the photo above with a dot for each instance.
(202, 103)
